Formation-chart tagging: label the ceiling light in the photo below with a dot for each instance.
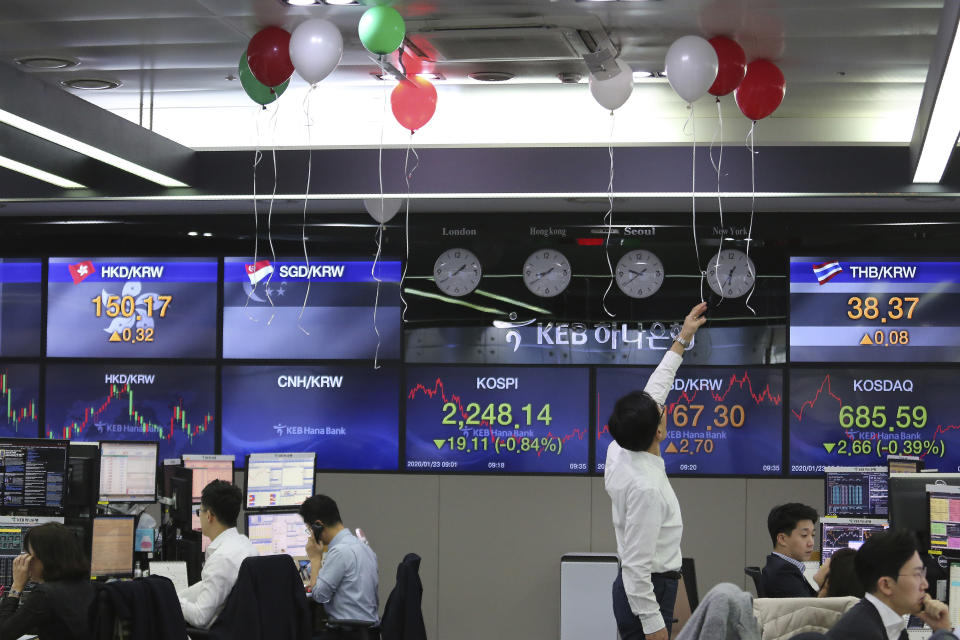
(46, 62)
(55, 137)
(39, 174)
(943, 127)
(91, 84)
(642, 75)
(491, 76)
(387, 76)
(193, 234)
(301, 3)
(207, 234)
(339, 2)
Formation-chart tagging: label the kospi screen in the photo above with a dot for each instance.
(857, 416)
(20, 292)
(348, 414)
(503, 419)
(874, 310)
(132, 307)
(19, 394)
(169, 404)
(720, 421)
(324, 309)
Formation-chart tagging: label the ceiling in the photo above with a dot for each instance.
(855, 73)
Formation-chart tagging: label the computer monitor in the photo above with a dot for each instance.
(34, 473)
(279, 479)
(111, 553)
(856, 491)
(179, 482)
(11, 545)
(908, 504)
(83, 475)
(846, 533)
(904, 464)
(953, 593)
(277, 532)
(128, 471)
(943, 507)
(207, 468)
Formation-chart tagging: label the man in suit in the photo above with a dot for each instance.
(894, 577)
(791, 528)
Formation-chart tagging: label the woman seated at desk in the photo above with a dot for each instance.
(57, 608)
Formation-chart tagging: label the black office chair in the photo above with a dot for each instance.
(757, 574)
(690, 582)
(139, 609)
(402, 615)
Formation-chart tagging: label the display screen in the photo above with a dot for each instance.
(20, 291)
(274, 533)
(348, 414)
(484, 419)
(132, 307)
(128, 471)
(19, 393)
(111, 552)
(720, 421)
(279, 479)
(34, 475)
(206, 469)
(857, 416)
(856, 491)
(169, 404)
(846, 533)
(270, 313)
(944, 511)
(874, 310)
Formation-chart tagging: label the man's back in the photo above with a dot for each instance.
(203, 601)
(862, 622)
(347, 582)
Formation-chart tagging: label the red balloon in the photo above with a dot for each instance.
(268, 56)
(761, 90)
(732, 65)
(414, 102)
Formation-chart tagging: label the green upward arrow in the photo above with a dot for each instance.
(439, 443)
(829, 446)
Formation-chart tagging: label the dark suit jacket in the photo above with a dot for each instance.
(402, 616)
(862, 622)
(783, 580)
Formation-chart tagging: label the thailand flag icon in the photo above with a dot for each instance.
(827, 271)
(81, 271)
(258, 270)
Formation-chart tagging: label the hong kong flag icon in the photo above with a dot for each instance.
(80, 271)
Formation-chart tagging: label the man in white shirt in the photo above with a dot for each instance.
(219, 508)
(646, 514)
(895, 580)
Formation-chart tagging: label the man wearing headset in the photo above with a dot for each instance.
(345, 581)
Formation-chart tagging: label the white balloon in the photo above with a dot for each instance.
(691, 67)
(613, 92)
(316, 47)
(383, 213)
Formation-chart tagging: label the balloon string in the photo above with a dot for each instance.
(379, 236)
(257, 157)
(608, 220)
(753, 197)
(273, 196)
(306, 197)
(718, 131)
(407, 174)
(692, 123)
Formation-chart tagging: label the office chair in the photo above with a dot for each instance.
(139, 609)
(757, 574)
(689, 572)
(402, 615)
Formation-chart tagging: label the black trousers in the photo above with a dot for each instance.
(628, 625)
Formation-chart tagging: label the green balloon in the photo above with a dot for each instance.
(381, 29)
(258, 92)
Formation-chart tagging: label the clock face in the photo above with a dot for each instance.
(639, 274)
(457, 272)
(731, 273)
(546, 273)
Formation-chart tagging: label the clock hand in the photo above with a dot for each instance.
(541, 275)
(462, 267)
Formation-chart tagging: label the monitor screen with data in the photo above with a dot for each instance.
(128, 471)
(856, 491)
(278, 532)
(279, 479)
(206, 469)
(34, 475)
(111, 553)
(846, 533)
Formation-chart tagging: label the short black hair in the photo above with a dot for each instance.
(784, 518)
(322, 508)
(634, 421)
(60, 551)
(884, 554)
(223, 499)
(842, 580)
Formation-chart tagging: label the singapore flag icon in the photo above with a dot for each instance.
(258, 270)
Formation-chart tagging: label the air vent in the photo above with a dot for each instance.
(499, 44)
(91, 84)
